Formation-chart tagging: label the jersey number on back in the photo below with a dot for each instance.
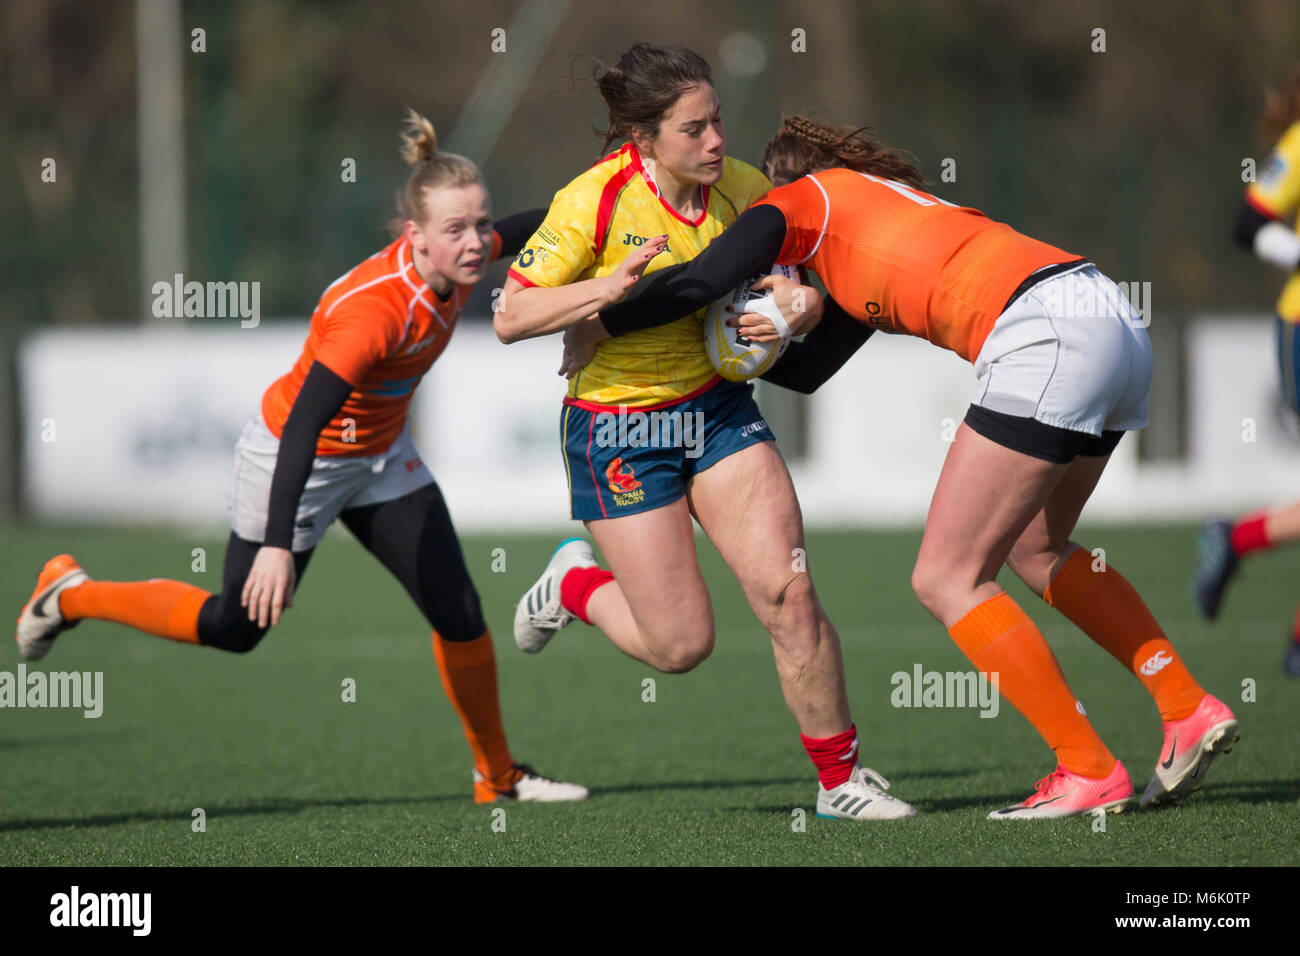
(907, 192)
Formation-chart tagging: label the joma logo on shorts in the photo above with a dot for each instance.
(753, 428)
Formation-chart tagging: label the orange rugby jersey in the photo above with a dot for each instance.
(379, 328)
(901, 260)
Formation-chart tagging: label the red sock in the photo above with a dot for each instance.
(1249, 535)
(1295, 630)
(578, 586)
(834, 757)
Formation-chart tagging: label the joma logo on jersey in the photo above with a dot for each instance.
(631, 240)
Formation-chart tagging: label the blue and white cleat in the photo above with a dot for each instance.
(1216, 563)
(540, 613)
(861, 797)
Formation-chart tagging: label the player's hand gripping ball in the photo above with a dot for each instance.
(735, 357)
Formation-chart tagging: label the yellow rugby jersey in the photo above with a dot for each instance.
(1277, 194)
(592, 224)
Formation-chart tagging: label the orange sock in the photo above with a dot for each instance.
(1108, 609)
(469, 676)
(166, 608)
(999, 638)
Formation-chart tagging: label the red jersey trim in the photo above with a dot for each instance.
(704, 193)
(1260, 207)
(520, 278)
(608, 200)
(597, 407)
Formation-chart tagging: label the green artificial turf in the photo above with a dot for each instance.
(711, 772)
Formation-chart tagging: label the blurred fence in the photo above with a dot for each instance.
(120, 425)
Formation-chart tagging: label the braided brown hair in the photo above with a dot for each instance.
(806, 146)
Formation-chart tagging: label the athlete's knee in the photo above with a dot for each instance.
(1033, 564)
(931, 583)
(455, 613)
(683, 658)
(788, 608)
(224, 624)
(682, 648)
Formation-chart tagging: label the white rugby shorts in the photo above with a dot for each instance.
(1071, 352)
(335, 483)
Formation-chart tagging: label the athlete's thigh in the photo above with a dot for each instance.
(985, 498)
(652, 555)
(413, 537)
(746, 504)
(1050, 529)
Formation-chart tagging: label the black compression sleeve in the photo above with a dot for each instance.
(807, 365)
(1249, 222)
(516, 230)
(748, 247)
(319, 400)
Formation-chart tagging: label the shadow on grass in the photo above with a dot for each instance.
(693, 785)
(272, 805)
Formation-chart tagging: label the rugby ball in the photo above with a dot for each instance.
(735, 357)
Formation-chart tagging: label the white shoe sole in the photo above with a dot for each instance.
(1219, 740)
(1110, 806)
(36, 633)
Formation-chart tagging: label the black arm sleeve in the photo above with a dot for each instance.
(748, 247)
(1249, 222)
(319, 400)
(516, 230)
(807, 365)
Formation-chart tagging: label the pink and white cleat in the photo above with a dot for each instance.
(1064, 793)
(1190, 746)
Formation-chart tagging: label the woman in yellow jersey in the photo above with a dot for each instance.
(653, 437)
(1267, 226)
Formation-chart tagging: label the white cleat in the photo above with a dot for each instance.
(42, 620)
(540, 613)
(861, 797)
(531, 785)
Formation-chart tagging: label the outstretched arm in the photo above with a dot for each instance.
(529, 311)
(749, 246)
(515, 230)
(1269, 239)
(271, 580)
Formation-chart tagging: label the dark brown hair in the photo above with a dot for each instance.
(432, 170)
(1283, 107)
(643, 86)
(806, 146)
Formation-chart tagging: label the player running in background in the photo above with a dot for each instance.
(668, 192)
(331, 441)
(1063, 368)
(1267, 227)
